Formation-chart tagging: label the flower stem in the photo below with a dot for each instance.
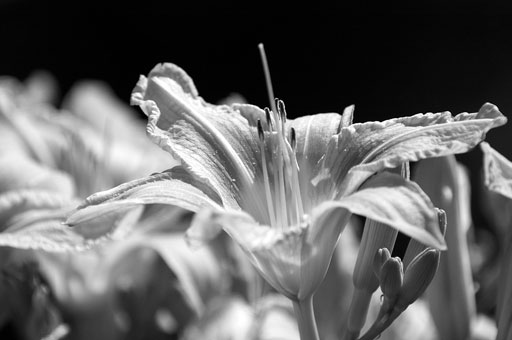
(306, 318)
(357, 316)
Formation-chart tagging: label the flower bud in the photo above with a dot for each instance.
(381, 256)
(376, 235)
(391, 277)
(418, 276)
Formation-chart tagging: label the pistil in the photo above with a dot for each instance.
(284, 162)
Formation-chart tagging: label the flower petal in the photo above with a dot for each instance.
(397, 202)
(497, 171)
(275, 254)
(47, 233)
(313, 134)
(294, 261)
(20, 172)
(18, 201)
(224, 318)
(326, 225)
(215, 143)
(199, 271)
(363, 149)
(168, 188)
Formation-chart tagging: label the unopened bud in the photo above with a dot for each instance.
(381, 256)
(418, 276)
(391, 277)
(441, 216)
(376, 235)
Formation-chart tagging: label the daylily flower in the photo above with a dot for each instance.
(284, 189)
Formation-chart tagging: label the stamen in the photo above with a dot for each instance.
(281, 109)
(282, 188)
(269, 119)
(293, 141)
(282, 114)
(261, 135)
(281, 160)
(281, 201)
(295, 178)
(266, 181)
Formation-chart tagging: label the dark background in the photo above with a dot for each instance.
(392, 60)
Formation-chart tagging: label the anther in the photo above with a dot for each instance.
(268, 118)
(293, 141)
(280, 106)
(281, 109)
(261, 135)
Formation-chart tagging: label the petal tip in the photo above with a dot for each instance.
(176, 73)
(139, 91)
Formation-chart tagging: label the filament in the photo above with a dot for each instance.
(265, 177)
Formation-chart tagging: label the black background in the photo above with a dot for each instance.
(389, 60)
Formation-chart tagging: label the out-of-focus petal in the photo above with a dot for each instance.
(497, 171)
(18, 172)
(224, 319)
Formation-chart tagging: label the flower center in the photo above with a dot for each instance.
(280, 169)
(284, 201)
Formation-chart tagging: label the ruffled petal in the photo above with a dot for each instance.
(363, 149)
(397, 202)
(497, 171)
(215, 143)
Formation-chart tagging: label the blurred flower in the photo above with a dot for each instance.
(28, 307)
(498, 178)
(50, 158)
(447, 184)
(231, 318)
(284, 189)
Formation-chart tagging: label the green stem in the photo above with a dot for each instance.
(306, 319)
